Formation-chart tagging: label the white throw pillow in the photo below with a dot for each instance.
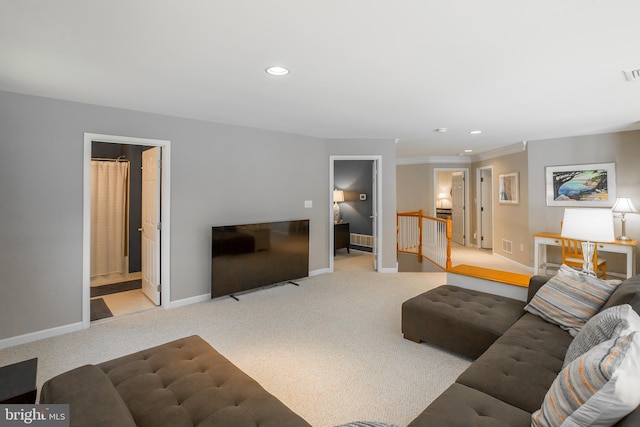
(597, 389)
(613, 322)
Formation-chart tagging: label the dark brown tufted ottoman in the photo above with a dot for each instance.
(182, 383)
(461, 320)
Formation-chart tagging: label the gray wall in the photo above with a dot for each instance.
(219, 174)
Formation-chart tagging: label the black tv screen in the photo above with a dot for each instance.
(249, 256)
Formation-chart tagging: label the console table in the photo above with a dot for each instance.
(544, 239)
(341, 236)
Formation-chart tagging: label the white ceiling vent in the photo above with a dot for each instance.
(632, 75)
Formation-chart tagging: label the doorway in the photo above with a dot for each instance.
(451, 198)
(152, 262)
(357, 178)
(485, 209)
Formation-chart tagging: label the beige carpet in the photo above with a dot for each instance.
(330, 349)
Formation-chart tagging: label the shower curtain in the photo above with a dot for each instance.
(109, 212)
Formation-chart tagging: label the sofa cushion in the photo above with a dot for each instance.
(527, 358)
(188, 383)
(597, 389)
(570, 298)
(462, 406)
(628, 292)
(91, 397)
(613, 322)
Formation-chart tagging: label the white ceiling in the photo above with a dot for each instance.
(517, 70)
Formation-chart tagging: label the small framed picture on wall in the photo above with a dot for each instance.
(508, 190)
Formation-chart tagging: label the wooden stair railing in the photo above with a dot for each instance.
(425, 236)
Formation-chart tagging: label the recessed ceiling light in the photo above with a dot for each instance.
(440, 130)
(276, 70)
(475, 132)
(468, 150)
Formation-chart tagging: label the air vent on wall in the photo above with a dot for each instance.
(507, 246)
(632, 75)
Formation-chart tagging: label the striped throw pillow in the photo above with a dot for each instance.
(597, 389)
(610, 323)
(570, 298)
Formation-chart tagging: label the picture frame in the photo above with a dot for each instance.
(588, 185)
(508, 188)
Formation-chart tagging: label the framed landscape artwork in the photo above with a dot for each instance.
(508, 188)
(591, 185)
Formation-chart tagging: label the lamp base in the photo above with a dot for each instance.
(588, 249)
(624, 238)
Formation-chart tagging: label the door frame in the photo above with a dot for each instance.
(467, 216)
(377, 232)
(479, 206)
(165, 213)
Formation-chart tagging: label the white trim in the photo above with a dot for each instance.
(378, 231)
(518, 147)
(191, 300)
(504, 258)
(389, 270)
(39, 335)
(165, 217)
(433, 159)
(479, 206)
(319, 272)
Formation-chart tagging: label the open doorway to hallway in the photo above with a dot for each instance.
(355, 200)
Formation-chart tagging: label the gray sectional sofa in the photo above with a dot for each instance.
(509, 380)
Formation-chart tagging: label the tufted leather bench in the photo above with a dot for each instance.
(182, 383)
(461, 320)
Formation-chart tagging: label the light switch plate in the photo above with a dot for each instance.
(308, 204)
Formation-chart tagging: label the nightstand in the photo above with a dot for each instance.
(341, 236)
(18, 382)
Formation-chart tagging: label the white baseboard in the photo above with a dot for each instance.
(319, 272)
(388, 270)
(35, 336)
(529, 269)
(189, 301)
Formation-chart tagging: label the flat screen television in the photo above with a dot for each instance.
(249, 256)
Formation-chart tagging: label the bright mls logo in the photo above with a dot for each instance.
(34, 415)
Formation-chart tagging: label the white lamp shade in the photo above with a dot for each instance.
(338, 196)
(624, 205)
(592, 225)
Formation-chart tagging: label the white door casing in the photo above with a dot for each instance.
(151, 225)
(165, 201)
(374, 211)
(486, 209)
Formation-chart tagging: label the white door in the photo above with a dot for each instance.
(486, 209)
(151, 224)
(457, 207)
(374, 212)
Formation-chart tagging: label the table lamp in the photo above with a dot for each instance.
(623, 206)
(338, 196)
(588, 226)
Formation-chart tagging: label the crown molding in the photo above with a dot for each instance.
(433, 159)
(518, 147)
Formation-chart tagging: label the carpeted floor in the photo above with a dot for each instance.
(330, 349)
